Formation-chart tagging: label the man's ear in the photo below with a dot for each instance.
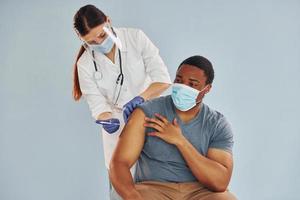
(202, 94)
(207, 89)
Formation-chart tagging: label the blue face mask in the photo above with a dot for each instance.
(184, 97)
(105, 46)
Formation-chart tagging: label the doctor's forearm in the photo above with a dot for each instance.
(154, 90)
(122, 181)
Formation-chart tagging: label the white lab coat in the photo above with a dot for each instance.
(142, 65)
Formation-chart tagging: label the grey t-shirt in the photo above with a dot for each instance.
(160, 161)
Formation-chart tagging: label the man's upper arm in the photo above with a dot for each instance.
(131, 140)
(220, 147)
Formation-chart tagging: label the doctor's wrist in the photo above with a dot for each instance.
(144, 96)
(104, 116)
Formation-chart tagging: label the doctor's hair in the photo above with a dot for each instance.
(203, 64)
(85, 19)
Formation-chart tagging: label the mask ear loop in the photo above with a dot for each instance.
(197, 102)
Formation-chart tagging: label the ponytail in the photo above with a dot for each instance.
(76, 86)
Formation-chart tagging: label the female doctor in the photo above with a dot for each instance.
(116, 69)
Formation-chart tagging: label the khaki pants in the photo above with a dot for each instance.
(151, 190)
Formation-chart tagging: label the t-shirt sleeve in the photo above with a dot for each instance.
(146, 108)
(156, 105)
(222, 137)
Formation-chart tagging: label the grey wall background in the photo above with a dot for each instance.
(51, 149)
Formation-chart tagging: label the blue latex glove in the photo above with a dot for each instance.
(130, 106)
(110, 125)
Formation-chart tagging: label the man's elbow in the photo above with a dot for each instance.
(219, 188)
(219, 185)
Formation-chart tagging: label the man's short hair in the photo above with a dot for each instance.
(202, 63)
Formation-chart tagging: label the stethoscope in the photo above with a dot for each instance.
(120, 79)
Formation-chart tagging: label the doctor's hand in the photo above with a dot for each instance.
(130, 106)
(110, 125)
(165, 130)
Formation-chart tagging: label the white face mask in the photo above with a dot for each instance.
(184, 97)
